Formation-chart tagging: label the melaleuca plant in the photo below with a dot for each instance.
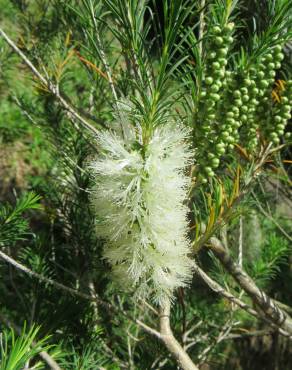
(159, 118)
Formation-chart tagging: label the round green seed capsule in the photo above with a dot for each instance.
(209, 80)
(237, 94)
(247, 82)
(280, 127)
(286, 108)
(261, 74)
(215, 88)
(229, 39)
(212, 116)
(269, 57)
(284, 100)
(279, 57)
(272, 73)
(222, 61)
(243, 117)
(278, 48)
(216, 30)
(211, 155)
(277, 65)
(245, 98)
(219, 40)
(255, 90)
(264, 84)
(287, 135)
(216, 65)
(238, 102)
(280, 132)
(244, 109)
(235, 110)
(244, 90)
(287, 115)
(224, 134)
(271, 65)
(276, 140)
(278, 119)
(230, 114)
(210, 103)
(215, 97)
(254, 101)
(229, 27)
(220, 73)
(230, 121)
(212, 55)
(222, 52)
(215, 162)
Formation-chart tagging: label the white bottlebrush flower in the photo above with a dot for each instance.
(138, 198)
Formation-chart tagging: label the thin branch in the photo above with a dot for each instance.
(261, 300)
(75, 292)
(218, 289)
(171, 343)
(70, 111)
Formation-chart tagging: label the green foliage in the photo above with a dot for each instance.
(13, 226)
(17, 351)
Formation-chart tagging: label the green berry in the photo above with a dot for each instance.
(216, 30)
(271, 65)
(237, 94)
(245, 98)
(277, 65)
(215, 162)
(229, 39)
(247, 82)
(244, 109)
(278, 48)
(264, 84)
(243, 117)
(222, 61)
(261, 74)
(215, 97)
(255, 90)
(223, 52)
(278, 119)
(220, 73)
(219, 40)
(238, 102)
(279, 57)
(229, 27)
(209, 80)
(230, 114)
(215, 88)
(212, 55)
(244, 90)
(287, 115)
(216, 65)
(269, 57)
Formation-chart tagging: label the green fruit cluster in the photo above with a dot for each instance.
(281, 114)
(213, 84)
(236, 106)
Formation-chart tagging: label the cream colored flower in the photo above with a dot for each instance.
(138, 198)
